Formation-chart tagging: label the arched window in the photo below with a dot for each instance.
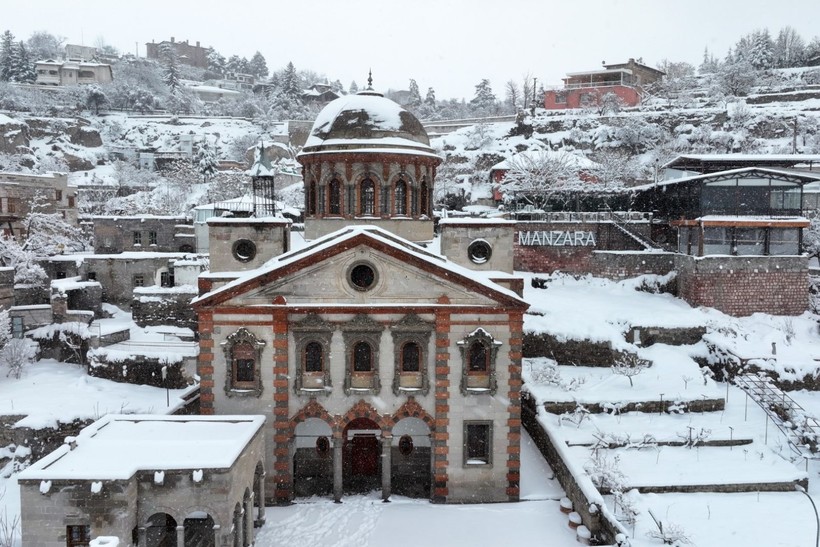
(367, 197)
(478, 357)
(401, 197)
(244, 365)
(311, 202)
(335, 197)
(243, 356)
(313, 357)
(478, 352)
(362, 357)
(410, 357)
(423, 203)
(362, 337)
(312, 336)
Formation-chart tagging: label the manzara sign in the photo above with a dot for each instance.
(557, 238)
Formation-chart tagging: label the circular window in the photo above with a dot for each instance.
(479, 251)
(405, 445)
(362, 277)
(244, 250)
(322, 446)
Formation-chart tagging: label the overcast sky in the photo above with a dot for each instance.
(449, 45)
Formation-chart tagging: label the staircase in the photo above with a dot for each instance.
(623, 225)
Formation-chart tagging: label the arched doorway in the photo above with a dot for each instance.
(312, 458)
(199, 530)
(161, 531)
(362, 456)
(411, 458)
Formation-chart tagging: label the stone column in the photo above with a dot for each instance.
(440, 446)
(260, 515)
(387, 445)
(248, 520)
(337, 468)
(180, 535)
(283, 480)
(141, 540)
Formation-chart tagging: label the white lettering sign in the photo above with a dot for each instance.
(557, 238)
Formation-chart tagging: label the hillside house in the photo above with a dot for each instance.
(51, 72)
(18, 192)
(192, 55)
(585, 89)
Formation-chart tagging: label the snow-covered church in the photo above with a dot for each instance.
(379, 363)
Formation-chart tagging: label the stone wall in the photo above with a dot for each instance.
(164, 306)
(270, 236)
(458, 234)
(569, 352)
(617, 265)
(139, 370)
(743, 285)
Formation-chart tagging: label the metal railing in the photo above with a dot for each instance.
(801, 429)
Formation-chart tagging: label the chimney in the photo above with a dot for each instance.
(172, 39)
(197, 43)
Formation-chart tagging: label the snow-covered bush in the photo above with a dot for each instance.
(16, 355)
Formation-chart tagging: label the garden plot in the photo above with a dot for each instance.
(772, 519)
(672, 376)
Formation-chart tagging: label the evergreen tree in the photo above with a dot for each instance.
(414, 98)
(95, 98)
(484, 98)
(207, 162)
(354, 88)
(290, 83)
(761, 52)
(23, 65)
(7, 47)
(430, 99)
(171, 74)
(257, 66)
(216, 62)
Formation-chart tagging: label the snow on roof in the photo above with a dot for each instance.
(729, 158)
(600, 71)
(753, 218)
(579, 161)
(467, 221)
(72, 284)
(364, 118)
(118, 446)
(805, 176)
(347, 233)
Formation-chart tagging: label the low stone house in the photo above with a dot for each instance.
(149, 480)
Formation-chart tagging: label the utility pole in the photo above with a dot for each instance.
(794, 137)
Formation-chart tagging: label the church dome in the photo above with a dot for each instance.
(366, 120)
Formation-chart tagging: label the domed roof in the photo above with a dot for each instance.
(366, 120)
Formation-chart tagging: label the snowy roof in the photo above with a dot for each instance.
(118, 446)
(338, 238)
(783, 160)
(802, 176)
(579, 161)
(364, 120)
(600, 71)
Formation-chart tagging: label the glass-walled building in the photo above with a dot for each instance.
(751, 211)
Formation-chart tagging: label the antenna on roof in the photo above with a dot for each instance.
(370, 78)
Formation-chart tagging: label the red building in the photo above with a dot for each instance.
(586, 89)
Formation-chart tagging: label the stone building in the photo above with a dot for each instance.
(19, 191)
(149, 480)
(192, 55)
(368, 161)
(382, 365)
(165, 234)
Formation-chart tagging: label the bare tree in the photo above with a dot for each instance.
(17, 354)
(535, 176)
(513, 95)
(629, 365)
(527, 90)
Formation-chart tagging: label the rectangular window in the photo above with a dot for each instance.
(58, 195)
(166, 279)
(60, 275)
(139, 280)
(152, 238)
(244, 370)
(78, 535)
(784, 241)
(71, 201)
(717, 240)
(137, 238)
(17, 327)
(92, 276)
(478, 443)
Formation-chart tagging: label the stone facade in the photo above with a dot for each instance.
(413, 298)
(17, 192)
(462, 241)
(164, 306)
(144, 233)
(240, 244)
